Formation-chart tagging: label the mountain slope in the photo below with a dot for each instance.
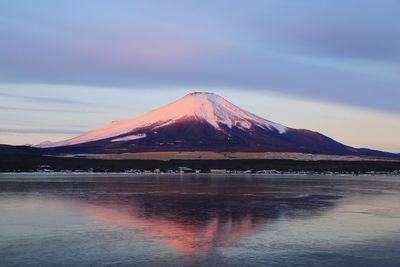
(205, 107)
(202, 122)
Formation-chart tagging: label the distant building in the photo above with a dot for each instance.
(218, 171)
(44, 166)
(184, 169)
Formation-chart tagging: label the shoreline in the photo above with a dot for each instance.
(82, 173)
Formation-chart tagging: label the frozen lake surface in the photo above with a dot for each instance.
(200, 220)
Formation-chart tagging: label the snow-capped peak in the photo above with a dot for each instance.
(216, 111)
(202, 106)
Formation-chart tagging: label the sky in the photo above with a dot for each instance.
(331, 66)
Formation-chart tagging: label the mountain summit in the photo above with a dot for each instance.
(201, 121)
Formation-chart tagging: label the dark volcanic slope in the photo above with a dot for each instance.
(194, 135)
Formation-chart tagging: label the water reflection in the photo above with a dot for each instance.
(198, 223)
(289, 217)
(190, 215)
(184, 237)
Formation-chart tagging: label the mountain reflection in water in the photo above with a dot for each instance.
(200, 222)
(230, 220)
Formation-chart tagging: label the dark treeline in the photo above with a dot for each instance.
(38, 162)
(22, 158)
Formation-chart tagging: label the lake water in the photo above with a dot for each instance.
(200, 220)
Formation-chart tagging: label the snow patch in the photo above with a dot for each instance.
(43, 144)
(129, 137)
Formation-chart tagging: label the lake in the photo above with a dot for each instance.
(199, 220)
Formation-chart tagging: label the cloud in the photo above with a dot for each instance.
(42, 109)
(344, 51)
(43, 99)
(39, 131)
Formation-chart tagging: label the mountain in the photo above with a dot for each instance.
(202, 122)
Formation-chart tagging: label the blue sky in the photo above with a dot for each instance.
(61, 58)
